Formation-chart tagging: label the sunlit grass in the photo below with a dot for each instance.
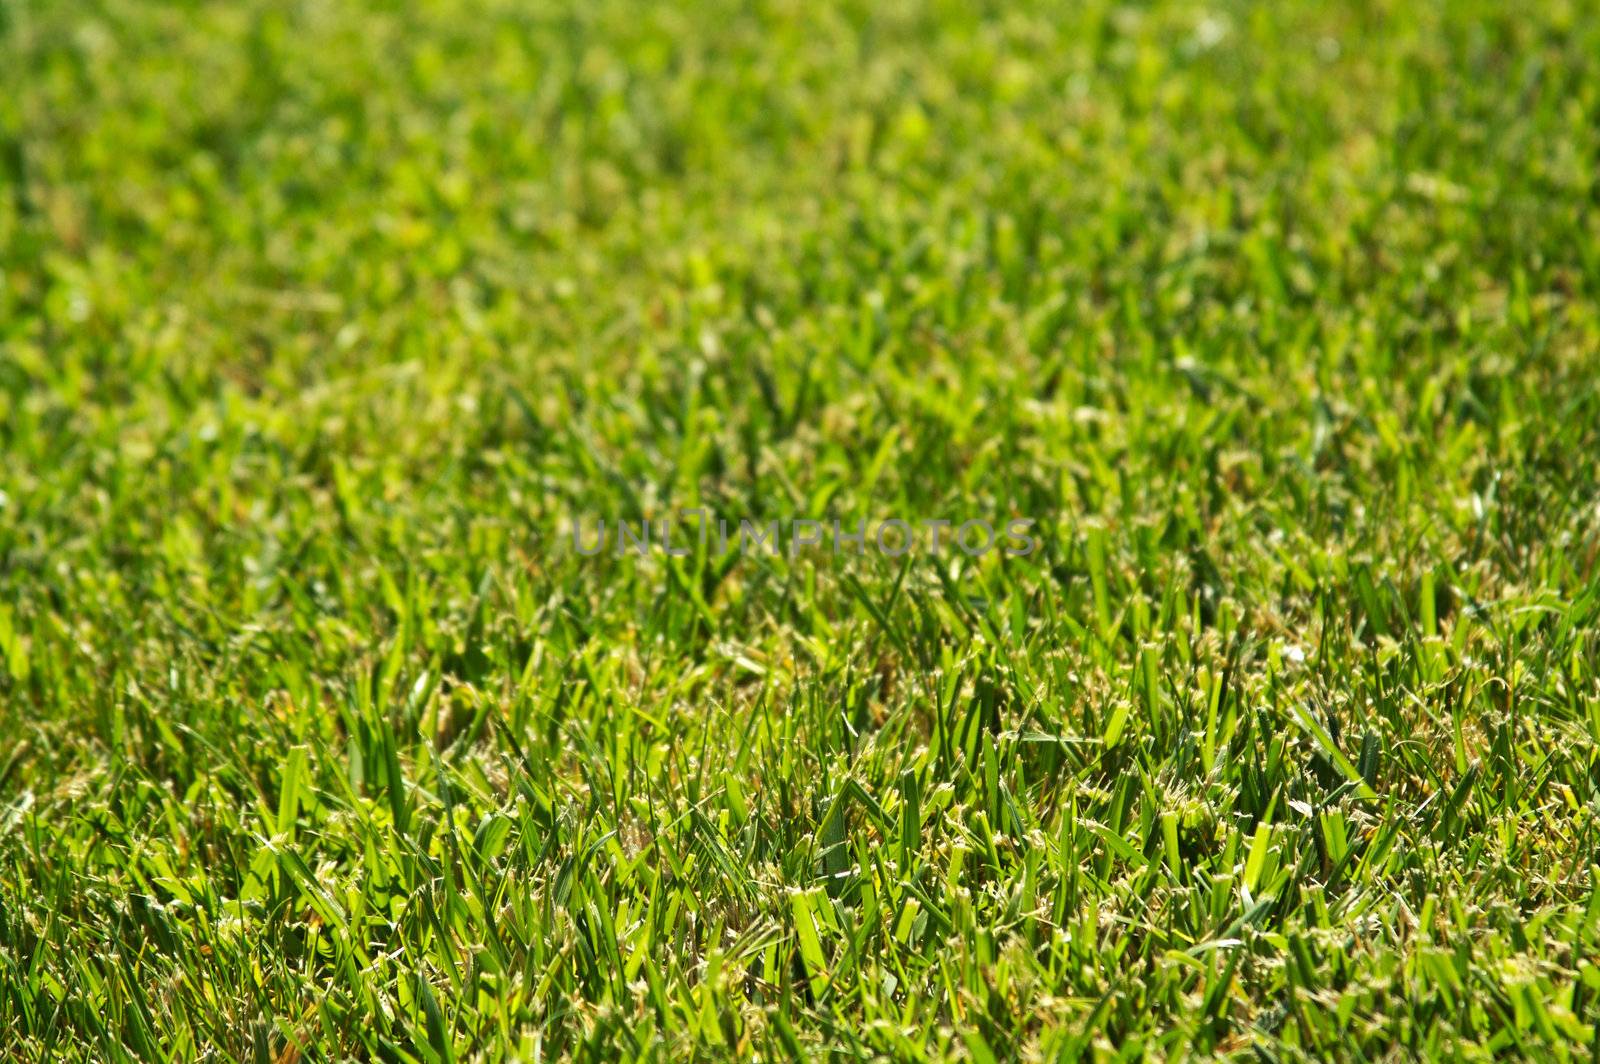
(320, 324)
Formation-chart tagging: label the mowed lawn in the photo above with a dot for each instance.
(322, 323)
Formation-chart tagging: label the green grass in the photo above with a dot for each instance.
(320, 324)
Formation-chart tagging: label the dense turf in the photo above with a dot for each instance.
(321, 322)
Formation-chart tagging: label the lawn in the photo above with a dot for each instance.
(1272, 329)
